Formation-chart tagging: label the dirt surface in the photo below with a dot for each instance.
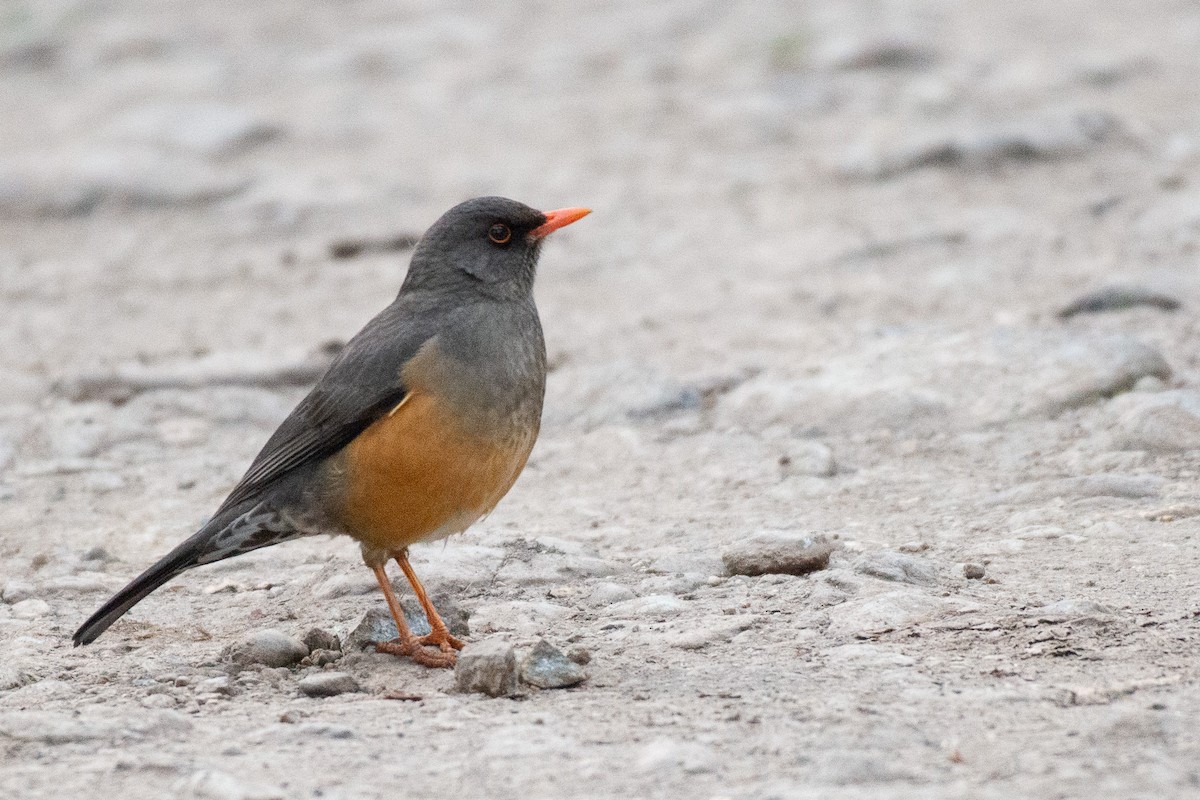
(819, 295)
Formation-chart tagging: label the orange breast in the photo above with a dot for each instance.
(416, 475)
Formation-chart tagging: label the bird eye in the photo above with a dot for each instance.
(499, 234)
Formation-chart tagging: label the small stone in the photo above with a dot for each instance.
(328, 684)
(11, 678)
(1162, 427)
(703, 633)
(269, 647)
(321, 658)
(1070, 608)
(808, 459)
(219, 685)
(325, 730)
(1118, 298)
(900, 567)
(377, 625)
(778, 553)
(547, 668)
(973, 572)
(33, 608)
(319, 639)
(886, 52)
(1048, 137)
(488, 667)
(656, 605)
(207, 784)
(580, 655)
(606, 593)
(15, 591)
(159, 700)
(1131, 487)
(97, 553)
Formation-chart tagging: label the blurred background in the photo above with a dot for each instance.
(919, 275)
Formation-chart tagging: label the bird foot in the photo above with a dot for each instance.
(415, 649)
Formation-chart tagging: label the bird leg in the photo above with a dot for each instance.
(406, 644)
(439, 634)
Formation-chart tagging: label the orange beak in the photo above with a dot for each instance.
(558, 219)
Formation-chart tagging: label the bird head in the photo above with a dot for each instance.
(489, 244)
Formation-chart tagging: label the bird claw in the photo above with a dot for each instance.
(443, 640)
(415, 649)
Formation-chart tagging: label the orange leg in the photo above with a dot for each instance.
(406, 644)
(439, 634)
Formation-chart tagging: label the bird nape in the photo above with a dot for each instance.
(419, 427)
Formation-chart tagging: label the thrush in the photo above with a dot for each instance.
(418, 428)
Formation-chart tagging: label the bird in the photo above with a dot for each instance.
(418, 428)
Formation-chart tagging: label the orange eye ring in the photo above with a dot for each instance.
(499, 234)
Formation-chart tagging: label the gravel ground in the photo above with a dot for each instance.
(904, 291)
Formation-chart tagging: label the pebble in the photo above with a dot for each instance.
(899, 567)
(377, 625)
(973, 572)
(268, 647)
(1070, 608)
(210, 784)
(321, 658)
(15, 591)
(606, 593)
(778, 552)
(655, 605)
(328, 684)
(488, 667)
(320, 639)
(665, 757)
(344, 585)
(1118, 298)
(547, 668)
(12, 678)
(33, 608)
(1159, 426)
(1132, 487)
(807, 458)
(1051, 136)
(1091, 371)
(219, 685)
(884, 52)
(700, 634)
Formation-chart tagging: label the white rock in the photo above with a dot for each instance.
(666, 757)
(655, 605)
(16, 590)
(209, 784)
(33, 608)
(268, 647)
(488, 666)
(606, 593)
(328, 684)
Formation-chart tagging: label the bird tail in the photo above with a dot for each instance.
(232, 532)
(181, 559)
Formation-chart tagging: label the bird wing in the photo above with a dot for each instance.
(362, 384)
